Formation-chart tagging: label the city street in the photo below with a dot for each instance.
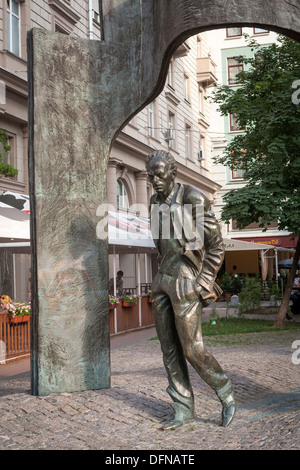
(262, 366)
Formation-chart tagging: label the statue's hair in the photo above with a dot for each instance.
(166, 156)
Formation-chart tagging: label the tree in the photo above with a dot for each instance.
(265, 105)
(5, 168)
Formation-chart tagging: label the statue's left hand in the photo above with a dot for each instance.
(206, 297)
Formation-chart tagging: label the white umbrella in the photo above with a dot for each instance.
(19, 201)
(14, 223)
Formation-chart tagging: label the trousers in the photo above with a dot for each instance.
(177, 315)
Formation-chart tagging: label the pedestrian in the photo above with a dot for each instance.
(119, 284)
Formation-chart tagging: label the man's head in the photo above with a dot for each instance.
(161, 169)
(120, 274)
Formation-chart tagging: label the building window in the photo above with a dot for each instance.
(151, 119)
(97, 16)
(237, 174)
(258, 59)
(260, 31)
(234, 124)
(233, 32)
(188, 147)
(60, 29)
(122, 196)
(63, 16)
(13, 27)
(201, 100)
(171, 130)
(170, 77)
(97, 11)
(5, 154)
(235, 66)
(202, 146)
(186, 88)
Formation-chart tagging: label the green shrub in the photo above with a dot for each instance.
(225, 284)
(250, 295)
(5, 168)
(229, 285)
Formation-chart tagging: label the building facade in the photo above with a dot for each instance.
(178, 120)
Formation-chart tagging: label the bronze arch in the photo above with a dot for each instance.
(159, 27)
(101, 85)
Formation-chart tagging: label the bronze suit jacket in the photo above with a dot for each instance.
(199, 235)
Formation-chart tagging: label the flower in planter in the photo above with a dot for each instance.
(113, 300)
(19, 309)
(130, 298)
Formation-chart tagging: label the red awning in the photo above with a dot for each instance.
(285, 241)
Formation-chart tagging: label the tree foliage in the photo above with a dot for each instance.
(266, 106)
(268, 150)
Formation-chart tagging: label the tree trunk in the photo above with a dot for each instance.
(280, 318)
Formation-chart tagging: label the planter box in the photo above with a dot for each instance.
(19, 319)
(111, 307)
(128, 304)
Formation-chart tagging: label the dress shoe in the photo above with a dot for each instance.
(182, 415)
(226, 396)
(228, 413)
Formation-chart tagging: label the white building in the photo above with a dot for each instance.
(225, 45)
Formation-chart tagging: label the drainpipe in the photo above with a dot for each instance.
(91, 34)
(146, 267)
(115, 288)
(276, 265)
(139, 289)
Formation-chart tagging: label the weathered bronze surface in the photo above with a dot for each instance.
(82, 93)
(189, 262)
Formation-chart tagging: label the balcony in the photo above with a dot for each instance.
(182, 50)
(206, 71)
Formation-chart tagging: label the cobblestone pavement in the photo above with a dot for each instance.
(128, 415)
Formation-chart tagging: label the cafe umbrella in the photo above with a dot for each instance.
(14, 224)
(287, 264)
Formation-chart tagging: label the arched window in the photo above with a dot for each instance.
(122, 196)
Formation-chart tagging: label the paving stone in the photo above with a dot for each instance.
(128, 415)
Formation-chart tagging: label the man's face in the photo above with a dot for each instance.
(160, 176)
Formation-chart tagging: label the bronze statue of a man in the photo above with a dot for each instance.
(191, 253)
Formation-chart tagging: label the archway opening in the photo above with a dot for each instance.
(183, 121)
